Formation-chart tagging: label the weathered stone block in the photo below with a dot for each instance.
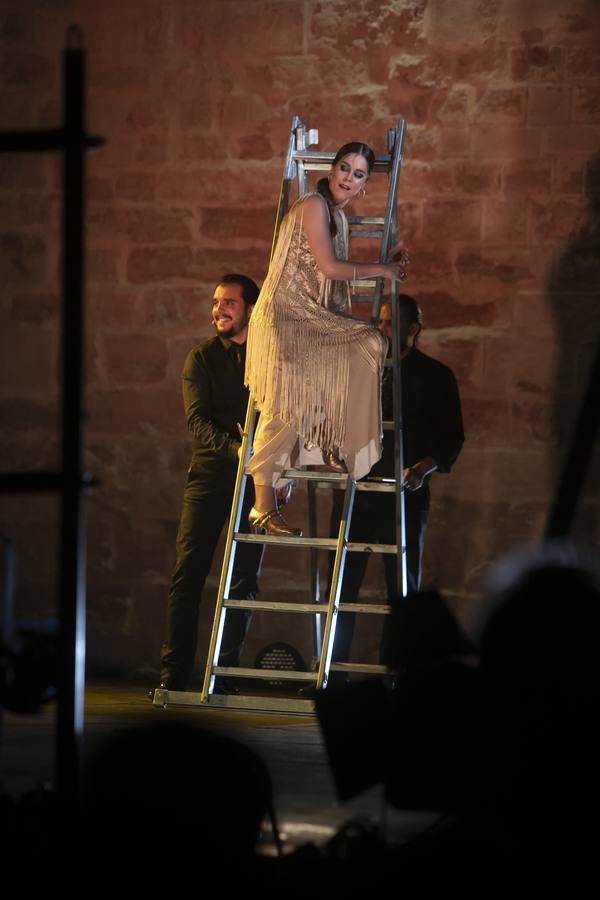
(586, 104)
(538, 63)
(136, 186)
(506, 141)
(501, 104)
(102, 265)
(475, 177)
(548, 104)
(556, 219)
(134, 358)
(526, 176)
(452, 220)
(505, 220)
(149, 264)
(22, 260)
(36, 309)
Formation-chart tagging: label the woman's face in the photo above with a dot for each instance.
(347, 177)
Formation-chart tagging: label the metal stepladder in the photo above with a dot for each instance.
(300, 160)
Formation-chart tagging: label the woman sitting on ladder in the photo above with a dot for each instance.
(314, 371)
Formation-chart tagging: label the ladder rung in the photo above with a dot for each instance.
(377, 608)
(314, 608)
(366, 220)
(360, 232)
(364, 298)
(361, 667)
(276, 606)
(314, 542)
(316, 160)
(266, 674)
(313, 475)
(371, 548)
(383, 487)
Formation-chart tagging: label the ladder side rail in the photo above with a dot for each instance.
(400, 511)
(336, 585)
(314, 571)
(401, 574)
(290, 170)
(233, 525)
(390, 226)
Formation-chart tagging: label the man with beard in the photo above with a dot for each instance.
(433, 437)
(215, 401)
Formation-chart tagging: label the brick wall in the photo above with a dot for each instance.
(499, 207)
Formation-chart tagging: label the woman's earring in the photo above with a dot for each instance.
(362, 192)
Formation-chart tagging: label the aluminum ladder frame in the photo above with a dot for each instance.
(300, 160)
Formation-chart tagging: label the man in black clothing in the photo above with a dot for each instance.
(215, 401)
(433, 437)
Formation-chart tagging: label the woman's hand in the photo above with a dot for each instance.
(397, 262)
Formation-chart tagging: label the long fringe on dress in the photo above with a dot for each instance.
(298, 352)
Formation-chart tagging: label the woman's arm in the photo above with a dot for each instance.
(316, 227)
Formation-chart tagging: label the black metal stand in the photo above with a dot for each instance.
(70, 481)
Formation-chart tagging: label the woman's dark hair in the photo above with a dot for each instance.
(250, 289)
(323, 185)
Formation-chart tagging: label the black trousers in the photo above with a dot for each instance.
(206, 508)
(373, 520)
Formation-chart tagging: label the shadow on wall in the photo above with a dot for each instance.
(573, 296)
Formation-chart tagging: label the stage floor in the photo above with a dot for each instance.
(307, 806)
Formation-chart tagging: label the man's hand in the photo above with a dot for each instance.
(412, 479)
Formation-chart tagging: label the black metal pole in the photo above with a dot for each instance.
(69, 730)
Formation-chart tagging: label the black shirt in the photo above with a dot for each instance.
(215, 400)
(431, 414)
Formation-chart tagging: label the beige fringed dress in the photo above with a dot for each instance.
(313, 371)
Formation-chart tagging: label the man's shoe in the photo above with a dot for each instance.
(271, 522)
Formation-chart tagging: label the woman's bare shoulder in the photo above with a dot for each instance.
(312, 203)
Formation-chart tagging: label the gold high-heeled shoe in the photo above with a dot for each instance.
(271, 522)
(332, 461)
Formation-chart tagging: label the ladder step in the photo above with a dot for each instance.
(373, 484)
(362, 232)
(363, 298)
(265, 674)
(314, 543)
(317, 160)
(371, 548)
(314, 475)
(311, 542)
(366, 220)
(377, 608)
(383, 487)
(361, 667)
(276, 606)
(364, 282)
(313, 608)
